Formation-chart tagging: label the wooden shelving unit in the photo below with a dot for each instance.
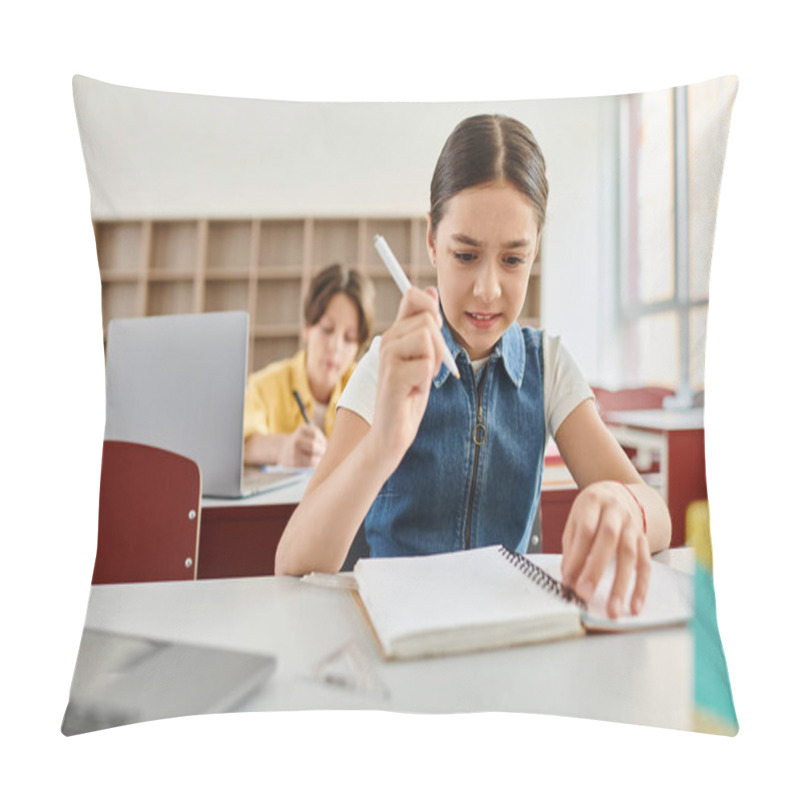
(262, 266)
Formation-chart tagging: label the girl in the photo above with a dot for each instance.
(431, 463)
(338, 319)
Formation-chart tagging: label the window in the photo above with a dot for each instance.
(672, 147)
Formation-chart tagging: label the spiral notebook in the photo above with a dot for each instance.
(489, 597)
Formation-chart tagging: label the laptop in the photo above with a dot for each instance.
(177, 382)
(120, 680)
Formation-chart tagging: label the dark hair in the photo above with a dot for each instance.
(332, 280)
(486, 148)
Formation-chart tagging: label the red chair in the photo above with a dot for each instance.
(149, 520)
(629, 399)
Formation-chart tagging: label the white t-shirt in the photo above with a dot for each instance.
(564, 385)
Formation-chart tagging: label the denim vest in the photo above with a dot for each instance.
(468, 482)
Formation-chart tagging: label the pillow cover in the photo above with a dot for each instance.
(205, 204)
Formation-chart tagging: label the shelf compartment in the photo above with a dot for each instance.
(387, 300)
(174, 246)
(119, 247)
(286, 330)
(170, 297)
(278, 302)
(120, 300)
(170, 275)
(229, 274)
(281, 244)
(230, 295)
(229, 245)
(334, 241)
(126, 276)
(397, 233)
(280, 273)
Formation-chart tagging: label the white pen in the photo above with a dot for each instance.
(403, 284)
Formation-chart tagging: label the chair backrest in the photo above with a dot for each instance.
(149, 520)
(630, 399)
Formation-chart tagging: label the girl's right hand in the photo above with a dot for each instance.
(410, 356)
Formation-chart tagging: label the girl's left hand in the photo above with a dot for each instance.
(604, 523)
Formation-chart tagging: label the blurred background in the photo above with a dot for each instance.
(209, 203)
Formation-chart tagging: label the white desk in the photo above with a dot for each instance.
(643, 678)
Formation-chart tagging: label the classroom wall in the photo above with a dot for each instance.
(165, 155)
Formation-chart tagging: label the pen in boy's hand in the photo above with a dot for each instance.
(301, 407)
(403, 284)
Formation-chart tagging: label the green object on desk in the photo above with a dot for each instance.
(712, 689)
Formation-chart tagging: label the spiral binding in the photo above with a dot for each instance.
(541, 578)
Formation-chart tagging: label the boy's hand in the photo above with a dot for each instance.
(304, 447)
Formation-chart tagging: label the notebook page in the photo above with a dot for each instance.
(670, 597)
(463, 590)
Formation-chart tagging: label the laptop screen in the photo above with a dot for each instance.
(178, 382)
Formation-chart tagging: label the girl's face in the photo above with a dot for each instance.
(331, 345)
(483, 252)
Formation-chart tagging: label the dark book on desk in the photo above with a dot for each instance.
(489, 598)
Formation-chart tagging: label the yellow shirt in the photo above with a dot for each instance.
(269, 405)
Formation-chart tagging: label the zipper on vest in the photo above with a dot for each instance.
(478, 438)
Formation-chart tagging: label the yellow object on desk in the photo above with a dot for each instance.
(698, 533)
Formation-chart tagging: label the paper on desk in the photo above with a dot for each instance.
(334, 580)
(277, 469)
